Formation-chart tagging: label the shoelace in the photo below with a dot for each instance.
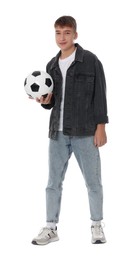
(99, 229)
(44, 229)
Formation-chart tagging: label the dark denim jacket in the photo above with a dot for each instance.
(85, 103)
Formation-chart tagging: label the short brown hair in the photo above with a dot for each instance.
(66, 21)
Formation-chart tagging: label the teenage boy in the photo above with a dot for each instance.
(77, 125)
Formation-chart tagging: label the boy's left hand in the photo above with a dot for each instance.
(100, 137)
(43, 100)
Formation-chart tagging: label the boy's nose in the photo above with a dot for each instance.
(62, 37)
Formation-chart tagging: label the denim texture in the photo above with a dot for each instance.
(88, 158)
(85, 103)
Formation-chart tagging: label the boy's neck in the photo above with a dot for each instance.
(67, 53)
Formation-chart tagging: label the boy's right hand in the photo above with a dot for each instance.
(46, 100)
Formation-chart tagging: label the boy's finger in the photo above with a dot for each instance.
(38, 100)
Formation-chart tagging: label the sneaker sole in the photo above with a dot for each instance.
(98, 242)
(47, 242)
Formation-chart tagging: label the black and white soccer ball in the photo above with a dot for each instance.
(38, 83)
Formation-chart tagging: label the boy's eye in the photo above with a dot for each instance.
(58, 33)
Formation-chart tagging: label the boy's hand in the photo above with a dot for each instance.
(100, 137)
(46, 100)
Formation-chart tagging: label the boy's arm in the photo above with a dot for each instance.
(100, 105)
(49, 101)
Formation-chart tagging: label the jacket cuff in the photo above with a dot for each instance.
(48, 106)
(101, 120)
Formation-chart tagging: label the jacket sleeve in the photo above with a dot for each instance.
(100, 103)
(49, 106)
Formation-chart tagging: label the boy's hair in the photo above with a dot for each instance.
(66, 21)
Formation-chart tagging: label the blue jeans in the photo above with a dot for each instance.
(88, 158)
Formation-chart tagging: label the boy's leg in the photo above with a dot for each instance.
(88, 159)
(59, 154)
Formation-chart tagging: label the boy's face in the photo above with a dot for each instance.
(65, 37)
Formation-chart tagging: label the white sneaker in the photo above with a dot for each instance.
(45, 236)
(98, 236)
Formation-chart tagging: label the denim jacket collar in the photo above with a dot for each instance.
(78, 56)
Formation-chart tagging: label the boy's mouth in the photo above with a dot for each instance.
(62, 43)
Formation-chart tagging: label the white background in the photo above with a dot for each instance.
(108, 29)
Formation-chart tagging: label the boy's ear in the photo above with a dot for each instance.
(75, 36)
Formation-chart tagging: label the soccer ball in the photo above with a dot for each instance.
(38, 83)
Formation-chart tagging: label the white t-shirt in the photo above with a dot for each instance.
(64, 64)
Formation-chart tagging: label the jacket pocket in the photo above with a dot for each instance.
(84, 84)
